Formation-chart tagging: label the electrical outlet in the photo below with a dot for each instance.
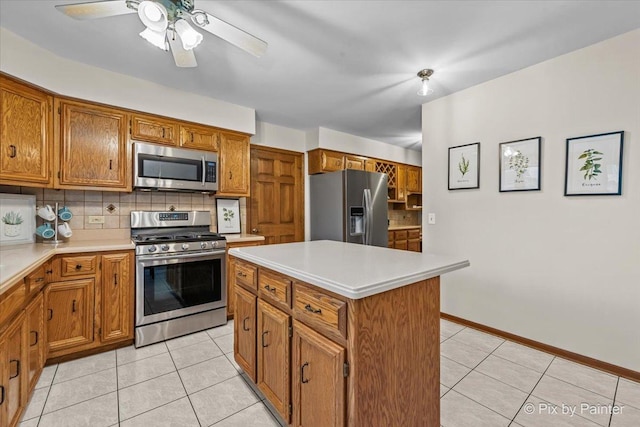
(431, 218)
(96, 219)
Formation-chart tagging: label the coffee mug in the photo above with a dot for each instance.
(46, 212)
(45, 231)
(64, 213)
(64, 230)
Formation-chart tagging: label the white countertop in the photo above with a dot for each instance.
(240, 238)
(17, 261)
(403, 227)
(351, 270)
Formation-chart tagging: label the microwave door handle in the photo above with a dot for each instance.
(204, 171)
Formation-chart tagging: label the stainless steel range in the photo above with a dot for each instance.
(180, 274)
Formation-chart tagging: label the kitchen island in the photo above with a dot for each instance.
(341, 334)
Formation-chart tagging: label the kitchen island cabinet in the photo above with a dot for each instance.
(363, 342)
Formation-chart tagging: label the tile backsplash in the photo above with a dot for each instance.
(402, 217)
(116, 207)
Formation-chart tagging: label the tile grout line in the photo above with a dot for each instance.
(615, 393)
(47, 398)
(531, 392)
(183, 387)
(117, 388)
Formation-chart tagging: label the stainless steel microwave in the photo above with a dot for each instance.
(158, 167)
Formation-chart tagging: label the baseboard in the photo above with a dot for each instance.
(565, 354)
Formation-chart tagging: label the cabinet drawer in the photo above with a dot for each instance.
(12, 302)
(320, 307)
(36, 280)
(401, 235)
(247, 275)
(275, 287)
(78, 265)
(414, 233)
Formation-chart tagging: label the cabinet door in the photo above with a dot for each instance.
(4, 381)
(234, 165)
(332, 161)
(154, 129)
(317, 381)
(25, 134)
(35, 339)
(15, 392)
(401, 192)
(69, 314)
(414, 179)
(116, 298)
(370, 165)
(352, 162)
(232, 275)
(274, 350)
(94, 148)
(200, 138)
(244, 332)
(413, 245)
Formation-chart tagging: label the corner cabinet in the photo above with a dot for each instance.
(26, 134)
(94, 149)
(234, 165)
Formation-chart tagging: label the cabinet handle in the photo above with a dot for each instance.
(1, 394)
(40, 279)
(244, 324)
(191, 136)
(163, 135)
(49, 271)
(302, 373)
(241, 274)
(14, 151)
(263, 344)
(270, 289)
(50, 313)
(312, 310)
(110, 164)
(17, 368)
(36, 336)
(78, 266)
(73, 306)
(230, 175)
(115, 279)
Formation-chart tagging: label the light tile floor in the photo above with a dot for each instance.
(194, 381)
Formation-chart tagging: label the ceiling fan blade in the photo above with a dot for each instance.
(183, 58)
(233, 35)
(96, 9)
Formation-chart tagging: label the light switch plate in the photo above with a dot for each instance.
(431, 218)
(96, 219)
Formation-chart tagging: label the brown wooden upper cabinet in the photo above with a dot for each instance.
(26, 134)
(414, 179)
(154, 129)
(94, 149)
(199, 137)
(325, 161)
(234, 165)
(354, 162)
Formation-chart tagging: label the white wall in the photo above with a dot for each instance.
(564, 271)
(30, 62)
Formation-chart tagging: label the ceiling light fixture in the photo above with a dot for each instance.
(158, 39)
(424, 75)
(153, 15)
(190, 38)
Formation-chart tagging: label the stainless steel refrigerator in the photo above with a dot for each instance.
(349, 206)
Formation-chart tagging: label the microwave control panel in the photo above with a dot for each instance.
(210, 173)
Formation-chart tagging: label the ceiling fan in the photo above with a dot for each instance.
(167, 23)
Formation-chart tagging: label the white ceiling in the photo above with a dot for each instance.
(345, 65)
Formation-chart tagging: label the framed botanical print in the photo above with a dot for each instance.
(228, 214)
(520, 165)
(594, 165)
(464, 166)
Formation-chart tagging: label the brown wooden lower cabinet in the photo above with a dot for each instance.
(317, 380)
(408, 239)
(14, 371)
(365, 362)
(35, 339)
(231, 273)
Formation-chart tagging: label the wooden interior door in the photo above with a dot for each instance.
(69, 313)
(317, 379)
(244, 332)
(277, 195)
(116, 314)
(274, 351)
(35, 338)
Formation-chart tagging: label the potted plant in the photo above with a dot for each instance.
(12, 222)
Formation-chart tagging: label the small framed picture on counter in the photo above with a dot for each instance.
(18, 215)
(594, 165)
(464, 166)
(228, 214)
(520, 165)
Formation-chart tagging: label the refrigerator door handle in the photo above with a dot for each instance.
(368, 216)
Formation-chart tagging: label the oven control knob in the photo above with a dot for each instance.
(152, 248)
(203, 245)
(164, 247)
(214, 244)
(185, 246)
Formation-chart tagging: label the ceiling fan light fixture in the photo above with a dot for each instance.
(190, 38)
(156, 38)
(153, 15)
(424, 75)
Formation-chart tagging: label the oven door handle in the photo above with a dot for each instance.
(192, 255)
